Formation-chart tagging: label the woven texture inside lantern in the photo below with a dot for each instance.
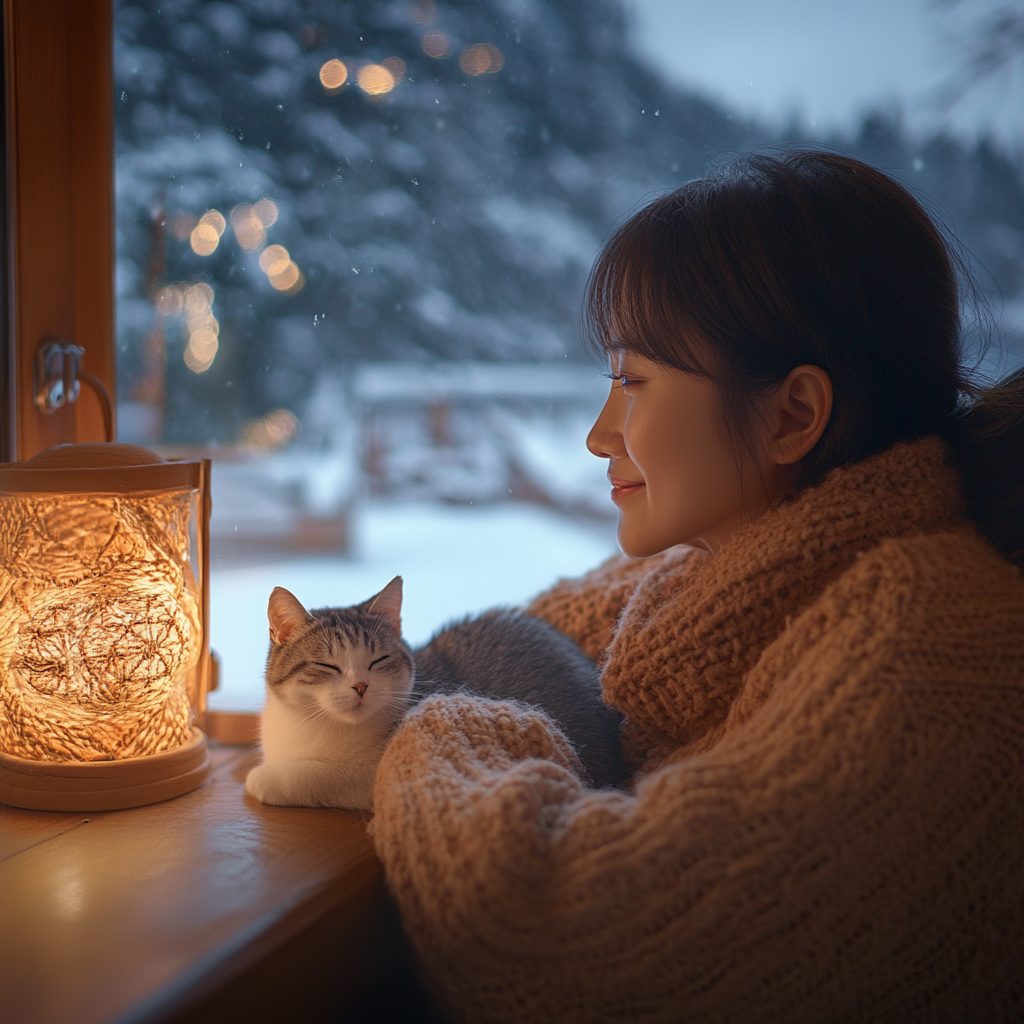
(100, 625)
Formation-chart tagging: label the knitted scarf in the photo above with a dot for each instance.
(691, 633)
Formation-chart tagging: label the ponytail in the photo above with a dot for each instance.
(987, 443)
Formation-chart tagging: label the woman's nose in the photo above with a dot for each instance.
(605, 437)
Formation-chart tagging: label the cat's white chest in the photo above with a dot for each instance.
(316, 762)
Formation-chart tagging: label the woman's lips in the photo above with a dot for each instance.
(623, 488)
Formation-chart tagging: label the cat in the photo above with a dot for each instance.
(340, 679)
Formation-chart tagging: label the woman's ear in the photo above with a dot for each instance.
(799, 411)
(286, 614)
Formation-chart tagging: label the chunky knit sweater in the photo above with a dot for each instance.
(828, 818)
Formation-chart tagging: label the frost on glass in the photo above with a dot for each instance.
(100, 625)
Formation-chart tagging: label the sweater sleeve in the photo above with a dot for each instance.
(788, 874)
(588, 607)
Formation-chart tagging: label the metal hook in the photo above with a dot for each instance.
(58, 366)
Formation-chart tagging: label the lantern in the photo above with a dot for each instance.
(104, 656)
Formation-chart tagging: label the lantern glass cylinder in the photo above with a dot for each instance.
(103, 610)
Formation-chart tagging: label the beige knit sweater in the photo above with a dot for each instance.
(829, 821)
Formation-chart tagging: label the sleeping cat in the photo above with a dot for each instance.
(339, 680)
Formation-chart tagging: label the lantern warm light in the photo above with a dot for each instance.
(103, 611)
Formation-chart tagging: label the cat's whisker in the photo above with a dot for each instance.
(309, 719)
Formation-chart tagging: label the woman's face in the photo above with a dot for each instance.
(674, 479)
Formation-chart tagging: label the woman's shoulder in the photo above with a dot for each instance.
(942, 567)
(947, 602)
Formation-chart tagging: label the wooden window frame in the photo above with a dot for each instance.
(58, 180)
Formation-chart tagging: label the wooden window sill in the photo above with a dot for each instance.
(207, 907)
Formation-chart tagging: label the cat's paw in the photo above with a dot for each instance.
(271, 786)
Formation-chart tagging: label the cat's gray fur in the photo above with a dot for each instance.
(339, 680)
(507, 655)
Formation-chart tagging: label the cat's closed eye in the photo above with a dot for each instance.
(321, 664)
(377, 661)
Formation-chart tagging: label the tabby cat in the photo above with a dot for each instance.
(340, 679)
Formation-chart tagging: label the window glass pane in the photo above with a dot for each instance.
(353, 239)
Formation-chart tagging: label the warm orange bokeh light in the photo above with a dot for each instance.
(182, 225)
(198, 298)
(423, 12)
(204, 239)
(481, 59)
(201, 350)
(274, 259)
(436, 45)
(287, 279)
(396, 66)
(272, 431)
(266, 212)
(375, 79)
(216, 221)
(333, 75)
(249, 229)
(169, 301)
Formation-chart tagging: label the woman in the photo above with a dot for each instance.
(820, 657)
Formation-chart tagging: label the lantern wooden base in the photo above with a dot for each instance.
(104, 785)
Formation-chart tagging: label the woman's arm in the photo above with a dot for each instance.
(809, 867)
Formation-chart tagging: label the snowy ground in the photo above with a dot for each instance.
(454, 560)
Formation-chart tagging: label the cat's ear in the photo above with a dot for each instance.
(389, 603)
(286, 614)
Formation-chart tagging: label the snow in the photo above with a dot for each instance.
(455, 560)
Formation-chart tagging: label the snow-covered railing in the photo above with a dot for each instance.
(467, 381)
(481, 432)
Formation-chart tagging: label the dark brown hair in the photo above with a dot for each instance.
(812, 257)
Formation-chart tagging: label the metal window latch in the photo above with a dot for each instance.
(58, 367)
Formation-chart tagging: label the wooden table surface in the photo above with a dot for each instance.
(207, 907)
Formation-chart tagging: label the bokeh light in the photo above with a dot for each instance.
(201, 350)
(274, 259)
(375, 79)
(182, 225)
(333, 75)
(436, 45)
(396, 66)
(169, 301)
(203, 328)
(216, 221)
(204, 239)
(272, 431)
(249, 229)
(198, 298)
(266, 212)
(480, 59)
(423, 12)
(288, 279)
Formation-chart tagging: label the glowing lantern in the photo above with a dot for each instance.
(104, 653)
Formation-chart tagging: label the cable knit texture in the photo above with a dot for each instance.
(829, 822)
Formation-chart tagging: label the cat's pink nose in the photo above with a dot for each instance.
(360, 688)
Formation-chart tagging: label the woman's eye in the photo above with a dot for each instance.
(623, 380)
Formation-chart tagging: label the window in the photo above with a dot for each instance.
(351, 245)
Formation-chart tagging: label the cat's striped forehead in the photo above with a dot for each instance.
(335, 633)
(351, 628)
